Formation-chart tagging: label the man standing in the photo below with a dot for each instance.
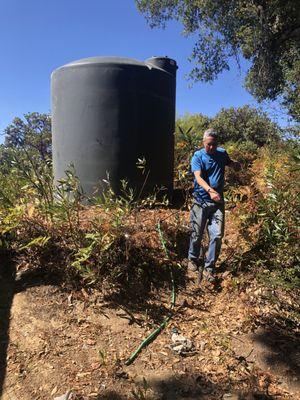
(208, 166)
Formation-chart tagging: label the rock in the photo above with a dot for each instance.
(230, 396)
(181, 345)
(67, 396)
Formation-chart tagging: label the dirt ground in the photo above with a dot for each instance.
(55, 340)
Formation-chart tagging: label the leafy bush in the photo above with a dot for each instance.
(245, 124)
(59, 234)
(270, 223)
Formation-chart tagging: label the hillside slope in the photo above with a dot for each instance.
(57, 338)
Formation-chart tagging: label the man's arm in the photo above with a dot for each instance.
(212, 193)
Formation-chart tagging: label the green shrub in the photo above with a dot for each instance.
(271, 225)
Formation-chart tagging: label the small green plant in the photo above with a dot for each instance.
(102, 356)
(40, 241)
(98, 243)
(69, 197)
(141, 392)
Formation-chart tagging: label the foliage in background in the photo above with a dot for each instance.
(31, 133)
(188, 137)
(26, 160)
(267, 34)
(268, 217)
(246, 127)
(111, 240)
(245, 124)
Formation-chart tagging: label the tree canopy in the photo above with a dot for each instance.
(32, 133)
(233, 124)
(266, 33)
(26, 156)
(245, 124)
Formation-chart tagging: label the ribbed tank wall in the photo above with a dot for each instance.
(107, 113)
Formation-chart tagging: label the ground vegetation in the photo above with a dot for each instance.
(110, 265)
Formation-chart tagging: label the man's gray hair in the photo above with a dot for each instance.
(210, 133)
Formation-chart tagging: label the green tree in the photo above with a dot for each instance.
(190, 128)
(245, 124)
(267, 33)
(26, 159)
(33, 133)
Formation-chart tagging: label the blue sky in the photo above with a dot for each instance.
(38, 36)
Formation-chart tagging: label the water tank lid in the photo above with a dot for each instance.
(164, 63)
(105, 60)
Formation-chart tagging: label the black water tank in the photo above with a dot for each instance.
(108, 112)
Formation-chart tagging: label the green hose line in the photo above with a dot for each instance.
(163, 243)
(157, 331)
(148, 340)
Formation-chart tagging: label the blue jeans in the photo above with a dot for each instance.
(211, 216)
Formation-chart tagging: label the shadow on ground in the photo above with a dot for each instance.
(188, 386)
(278, 348)
(273, 347)
(7, 273)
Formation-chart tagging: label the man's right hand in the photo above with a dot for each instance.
(215, 196)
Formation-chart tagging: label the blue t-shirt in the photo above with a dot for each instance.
(212, 167)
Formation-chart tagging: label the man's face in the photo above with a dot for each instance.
(210, 145)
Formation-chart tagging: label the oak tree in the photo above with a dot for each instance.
(264, 32)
